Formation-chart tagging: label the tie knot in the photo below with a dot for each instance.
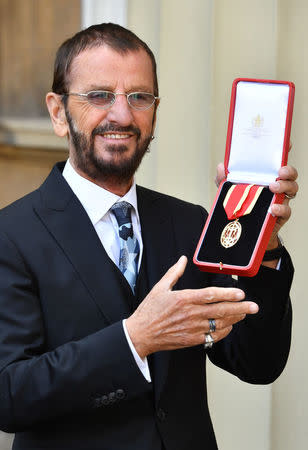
(122, 212)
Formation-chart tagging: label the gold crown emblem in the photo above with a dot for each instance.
(258, 121)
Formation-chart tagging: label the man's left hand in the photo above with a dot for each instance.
(285, 185)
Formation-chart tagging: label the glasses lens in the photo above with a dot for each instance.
(102, 99)
(140, 100)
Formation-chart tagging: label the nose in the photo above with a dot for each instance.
(120, 112)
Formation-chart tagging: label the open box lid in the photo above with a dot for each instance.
(258, 130)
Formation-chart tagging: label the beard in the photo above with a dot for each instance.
(87, 161)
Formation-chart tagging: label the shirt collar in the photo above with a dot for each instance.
(96, 200)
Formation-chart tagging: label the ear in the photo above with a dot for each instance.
(155, 115)
(57, 114)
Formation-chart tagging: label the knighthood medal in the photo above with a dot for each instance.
(239, 201)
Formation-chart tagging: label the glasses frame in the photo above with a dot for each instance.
(86, 96)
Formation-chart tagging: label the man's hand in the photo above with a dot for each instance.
(168, 320)
(220, 174)
(285, 185)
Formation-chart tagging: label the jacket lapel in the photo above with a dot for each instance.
(158, 240)
(65, 218)
(157, 234)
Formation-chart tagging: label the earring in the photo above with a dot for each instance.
(148, 149)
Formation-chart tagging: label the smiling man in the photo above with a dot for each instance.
(105, 323)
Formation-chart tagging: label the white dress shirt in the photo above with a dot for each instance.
(97, 203)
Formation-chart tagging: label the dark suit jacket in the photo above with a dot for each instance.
(68, 379)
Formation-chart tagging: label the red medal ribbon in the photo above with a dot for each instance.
(241, 199)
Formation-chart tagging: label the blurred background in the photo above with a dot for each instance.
(200, 46)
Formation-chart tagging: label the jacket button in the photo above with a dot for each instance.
(120, 394)
(161, 414)
(105, 400)
(112, 397)
(97, 403)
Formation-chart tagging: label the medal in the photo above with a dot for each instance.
(239, 201)
(231, 234)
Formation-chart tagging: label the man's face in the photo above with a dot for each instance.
(109, 144)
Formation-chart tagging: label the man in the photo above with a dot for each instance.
(92, 357)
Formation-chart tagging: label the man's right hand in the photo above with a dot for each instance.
(168, 320)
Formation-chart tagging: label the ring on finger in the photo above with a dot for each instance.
(212, 324)
(290, 196)
(209, 341)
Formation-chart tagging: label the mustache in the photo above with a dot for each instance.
(116, 129)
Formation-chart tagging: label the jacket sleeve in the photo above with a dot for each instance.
(257, 348)
(38, 385)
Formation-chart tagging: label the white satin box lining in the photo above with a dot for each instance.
(258, 132)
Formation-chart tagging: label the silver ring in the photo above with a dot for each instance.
(212, 324)
(209, 341)
(290, 196)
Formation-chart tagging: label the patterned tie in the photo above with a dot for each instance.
(129, 245)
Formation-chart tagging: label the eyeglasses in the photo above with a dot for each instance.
(105, 99)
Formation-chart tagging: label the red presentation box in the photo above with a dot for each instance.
(258, 141)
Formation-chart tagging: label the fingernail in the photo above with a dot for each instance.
(239, 295)
(253, 308)
(276, 185)
(271, 211)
